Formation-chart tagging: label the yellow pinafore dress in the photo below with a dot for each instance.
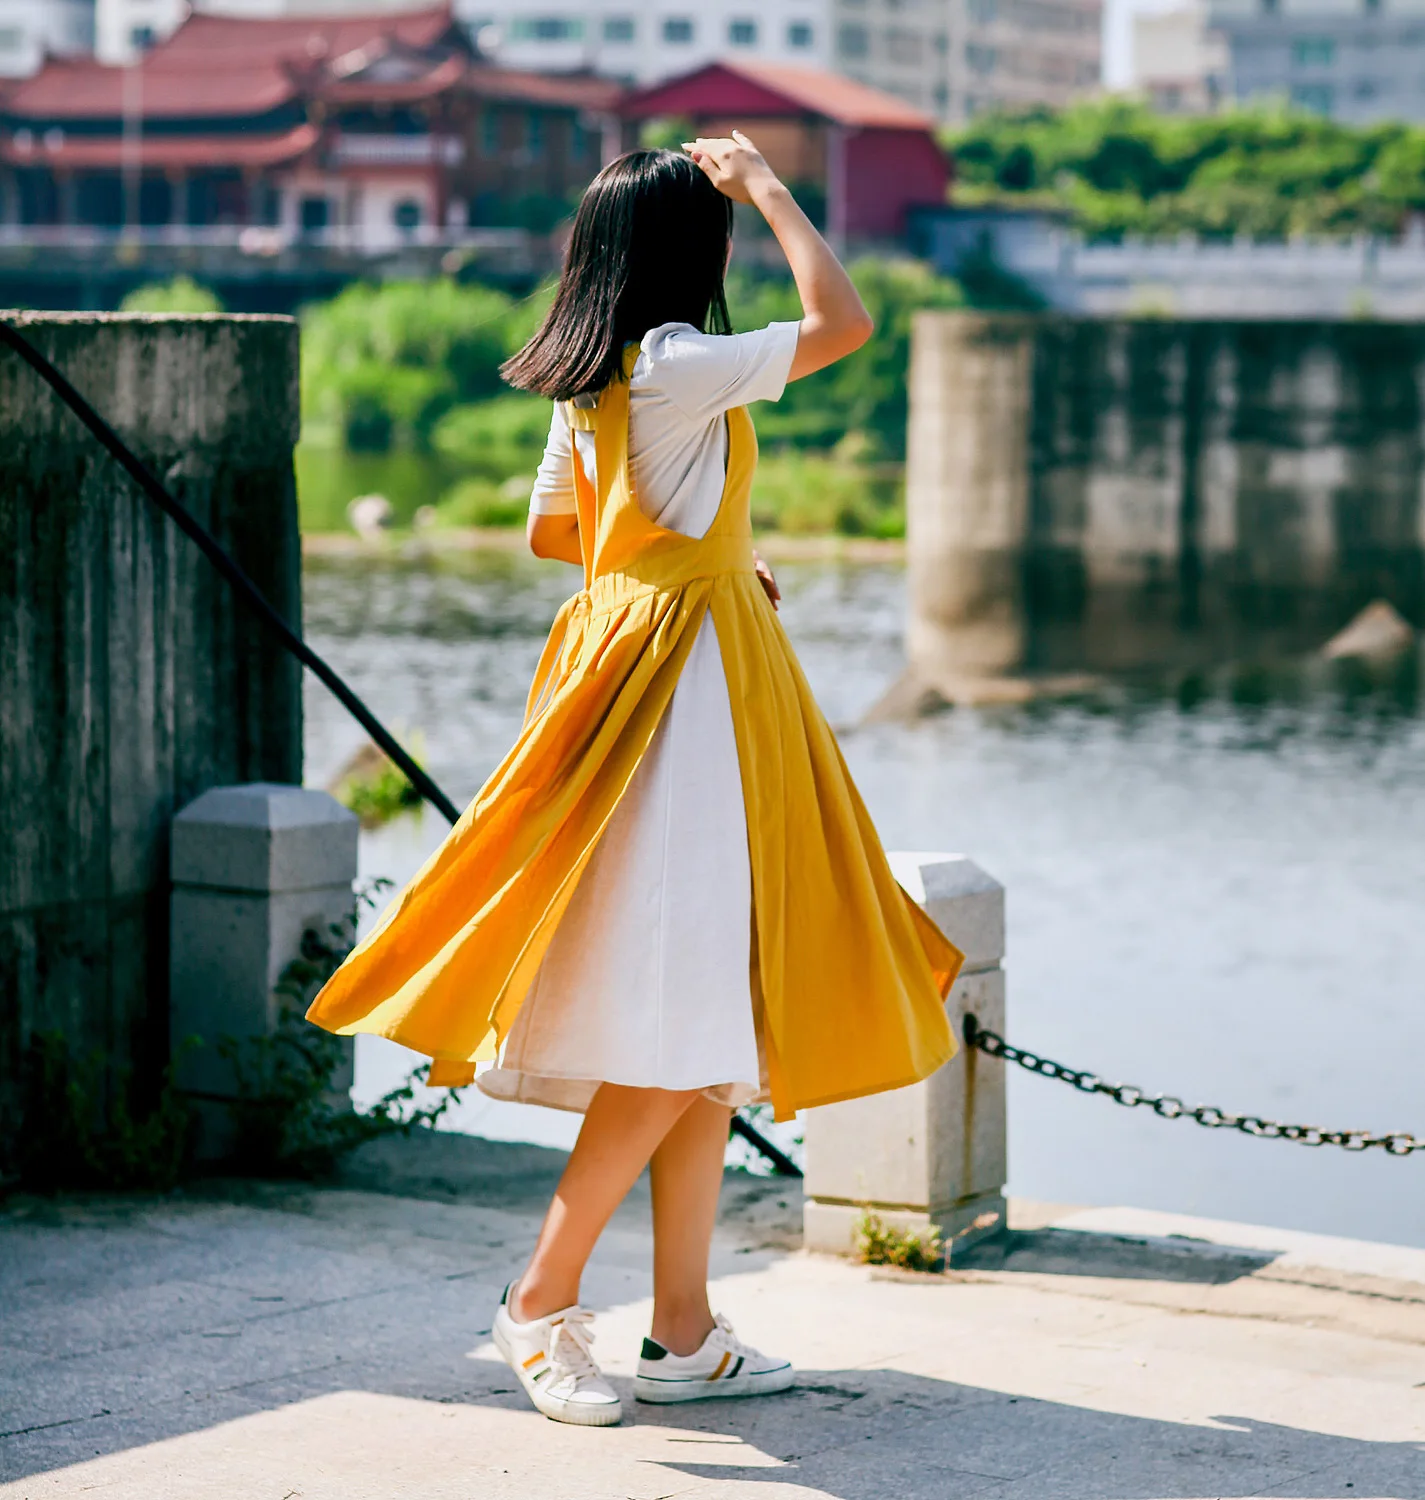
(850, 973)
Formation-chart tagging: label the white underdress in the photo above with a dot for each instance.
(647, 981)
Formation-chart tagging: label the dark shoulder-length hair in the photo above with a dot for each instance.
(649, 246)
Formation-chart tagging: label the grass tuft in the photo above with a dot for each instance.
(881, 1244)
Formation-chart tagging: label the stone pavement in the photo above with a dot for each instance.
(258, 1340)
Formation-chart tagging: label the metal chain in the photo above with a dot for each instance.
(1166, 1107)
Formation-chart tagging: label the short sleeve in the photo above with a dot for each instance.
(553, 493)
(705, 374)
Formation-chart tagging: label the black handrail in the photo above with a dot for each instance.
(253, 596)
(213, 550)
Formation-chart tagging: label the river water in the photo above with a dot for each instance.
(1216, 886)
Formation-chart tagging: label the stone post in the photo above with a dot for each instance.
(253, 868)
(932, 1155)
(131, 677)
(967, 496)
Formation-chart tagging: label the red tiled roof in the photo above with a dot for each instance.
(83, 89)
(79, 152)
(215, 66)
(220, 65)
(222, 41)
(577, 90)
(775, 89)
(445, 74)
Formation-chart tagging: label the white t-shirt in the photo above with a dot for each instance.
(682, 383)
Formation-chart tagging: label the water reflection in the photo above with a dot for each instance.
(1215, 879)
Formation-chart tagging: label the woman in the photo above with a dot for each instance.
(668, 900)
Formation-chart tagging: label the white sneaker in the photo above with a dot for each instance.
(552, 1360)
(724, 1366)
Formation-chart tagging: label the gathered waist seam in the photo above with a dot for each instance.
(621, 589)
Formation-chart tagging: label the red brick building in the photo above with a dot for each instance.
(361, 129)
(866, 156)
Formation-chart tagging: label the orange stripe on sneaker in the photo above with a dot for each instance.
(721, 1364)
(534, 1359)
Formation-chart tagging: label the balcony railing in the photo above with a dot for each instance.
(262, 240)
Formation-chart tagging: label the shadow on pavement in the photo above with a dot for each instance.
(877, 1434)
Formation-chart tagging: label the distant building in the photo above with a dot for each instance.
(358, 131)
(31, 30)
(1180, 62)
(860, 159)
(638, 43)
(1354, 60)
(960, 58)
(125, 29)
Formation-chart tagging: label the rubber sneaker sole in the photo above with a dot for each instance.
(576, 1413)
(663, 1392)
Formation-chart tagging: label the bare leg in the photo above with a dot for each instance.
(687, 1175)
(621, 1130)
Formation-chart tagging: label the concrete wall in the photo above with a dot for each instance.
(1102, 495)
(130, 678)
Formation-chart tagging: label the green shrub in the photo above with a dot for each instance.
(808, 494)
(481, 502)
(181, 295)
(382, 365)
(495, 439)
(289, 1119)
(79, 1130)
(865, 393)
(1117, 168)
(879, 1244)
(373, 787)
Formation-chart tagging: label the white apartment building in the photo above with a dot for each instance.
(1355, 60)
(959, 58)
(642, 43)
(31, 30)
(1180, 62)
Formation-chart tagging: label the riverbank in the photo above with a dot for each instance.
(774, 547)
(333, 1343)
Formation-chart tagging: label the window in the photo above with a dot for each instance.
(313, 214)
(1269, 7)
(981, 59)
(619, 28)
(904, 46)
(546, 29)
(1317, 97)
(11, 38)
(141, 38)
(1313, 51)
(677, 29)
(742, 33)
(983, 11)
(406, 215)
(1371, 7)
(799, 34)
(852, 41)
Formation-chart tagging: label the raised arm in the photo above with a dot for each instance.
(835, 322)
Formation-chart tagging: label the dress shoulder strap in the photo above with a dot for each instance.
(580, 413)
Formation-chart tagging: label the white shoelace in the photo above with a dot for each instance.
(730, 1340)
(569, 1352)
